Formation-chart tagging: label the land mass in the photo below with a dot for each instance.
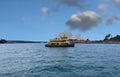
(108, 39)
(2, 41)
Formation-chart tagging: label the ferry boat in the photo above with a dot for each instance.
(59, 42)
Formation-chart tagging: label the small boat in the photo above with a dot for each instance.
(59, 42)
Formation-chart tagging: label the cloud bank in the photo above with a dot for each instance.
(86, 20)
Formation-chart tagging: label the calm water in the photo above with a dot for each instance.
(83, 60)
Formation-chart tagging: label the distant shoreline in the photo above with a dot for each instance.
(20, 41)
(14, 42)
(97, 43)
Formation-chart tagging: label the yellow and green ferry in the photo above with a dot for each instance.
(59, 42)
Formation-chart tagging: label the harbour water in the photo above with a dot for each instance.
(36, 60)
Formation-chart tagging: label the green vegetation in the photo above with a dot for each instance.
(116, 38)
(109, 37)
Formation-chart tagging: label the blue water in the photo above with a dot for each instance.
(83, 60)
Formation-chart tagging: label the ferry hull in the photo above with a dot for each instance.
(70, 45)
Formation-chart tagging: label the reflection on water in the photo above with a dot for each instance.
(83, 60)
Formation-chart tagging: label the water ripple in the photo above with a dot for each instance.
(35, 60)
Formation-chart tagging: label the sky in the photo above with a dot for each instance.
(39, 20)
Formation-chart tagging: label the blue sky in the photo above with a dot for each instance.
(26, 20)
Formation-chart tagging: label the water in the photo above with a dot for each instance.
(83, 60)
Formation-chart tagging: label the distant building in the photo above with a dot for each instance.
(79, 41)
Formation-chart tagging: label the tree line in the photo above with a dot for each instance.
(3, 41)
(109, 37)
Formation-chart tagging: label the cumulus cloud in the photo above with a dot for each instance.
(117, 2)
(88, 19)
(84, 21)
(68, 34)
(102, 7)
(45, 10)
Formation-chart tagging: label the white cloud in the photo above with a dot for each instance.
(84, 21)
(45, 10)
